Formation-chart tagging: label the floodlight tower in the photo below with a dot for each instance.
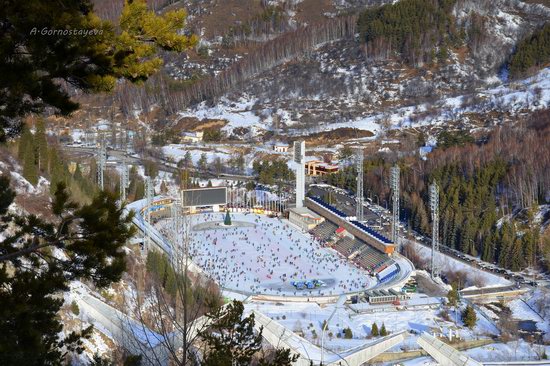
(394, 182)
(149, 194)
(299, 159)
(177, 231)
(101, 162)
(434, 206)
(124, 180)
(360, 195)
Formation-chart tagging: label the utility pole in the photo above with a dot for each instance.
(101, 162)
(124, 180)
(149, 194)
(434, 206)
(177, 231)
(359, 195)
(394, 181)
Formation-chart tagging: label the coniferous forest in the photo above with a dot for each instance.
(419, 30)
(490, 190)
(532, 52)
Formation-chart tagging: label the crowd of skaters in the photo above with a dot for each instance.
(267, 257)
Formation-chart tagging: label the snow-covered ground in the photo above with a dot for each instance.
(307, 319)
(532, 93)
(536, 307)
(495, 352)
(263, 255)
(475, 277)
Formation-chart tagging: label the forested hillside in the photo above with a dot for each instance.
(420, 31)
(532, 53)
(482, 184)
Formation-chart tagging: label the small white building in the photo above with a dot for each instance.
(282, 148)
(194, 136)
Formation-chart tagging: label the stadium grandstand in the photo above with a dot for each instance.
(324, 231)
(366, 247)
(355, 228)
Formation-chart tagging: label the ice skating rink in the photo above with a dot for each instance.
(262, 255)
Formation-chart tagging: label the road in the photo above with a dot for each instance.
(164, 165)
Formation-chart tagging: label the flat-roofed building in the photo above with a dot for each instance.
(319, 168)
(304, 218)
(386, 296)
(282, 148)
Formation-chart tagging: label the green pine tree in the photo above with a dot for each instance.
(452, 296)
(383, 331)
(469, 317)
(374, 330)
(41, 144)
(230, 340)
(25, 142)
(33, 80)
(227, 220)
(92, 235)
(30, 170)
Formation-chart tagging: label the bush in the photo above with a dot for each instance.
(444, 314)
(383, 331)
(74, 308)
(348, 334)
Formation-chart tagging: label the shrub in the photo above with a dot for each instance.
(74, 308)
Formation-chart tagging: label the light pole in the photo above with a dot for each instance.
(341, 301)
(379, 213)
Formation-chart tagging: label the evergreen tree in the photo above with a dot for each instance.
(91, 60)
(30, 170)
(187, 161)
(532, 52)
(230, 340)
(41, 144)
(227, 220)
(374, 330)
(469, 317)
(452, 296)
(25, 143)
(57, 170)
(31, 291)
(202, 164)
(517, 257)
(140, 190)
(383, 331)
